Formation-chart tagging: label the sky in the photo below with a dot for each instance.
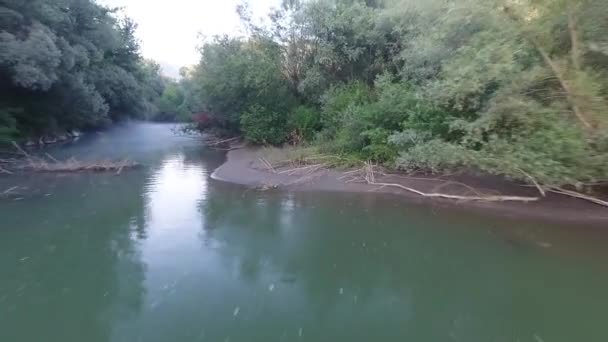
(169, 29)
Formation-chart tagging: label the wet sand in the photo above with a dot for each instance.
(243, 167)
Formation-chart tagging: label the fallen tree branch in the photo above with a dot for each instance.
(52, 158)
(121, 167)
(5, 171)
(370, 179)
(448, 183)
(22, 151)
(456, 197)
(540, 188)
(216, 143)
(8, 191)
(575, 194)
(268, 165)
(306, 169)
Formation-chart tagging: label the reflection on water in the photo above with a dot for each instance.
(164, 253)
(173, 194)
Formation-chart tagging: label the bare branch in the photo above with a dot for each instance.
(370, 179)
(540, 188)
(22, 151)
(220, 142)
(5, 171)
(9, 190)
(575, 194)
(52, 158)
(580, 115)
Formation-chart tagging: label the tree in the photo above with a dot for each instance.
(515, 88)
(170, 104)
(69, 64)
(234, 74)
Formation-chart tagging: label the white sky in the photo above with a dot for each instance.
(168, 29)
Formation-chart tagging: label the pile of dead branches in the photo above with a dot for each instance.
(73, 165)
(305, 172)
(222, 144)
(48, 163)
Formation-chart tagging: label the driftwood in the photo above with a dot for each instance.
(5, 171)
(215, 142)
(370, 179)
(267, 165)
(303, 170)
(538, 186)
(225, 141)
(8, 191)
(51, 164)
(578, 195)
(73, 165)
(543, 189)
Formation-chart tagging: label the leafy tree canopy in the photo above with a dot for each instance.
(517, 88)
(70, 64)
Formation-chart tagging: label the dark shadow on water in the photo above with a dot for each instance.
(70, 263)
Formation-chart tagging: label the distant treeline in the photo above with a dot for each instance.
(516, 88)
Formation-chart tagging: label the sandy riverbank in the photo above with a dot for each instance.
(243, 167)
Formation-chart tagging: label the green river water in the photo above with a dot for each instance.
(165, 253)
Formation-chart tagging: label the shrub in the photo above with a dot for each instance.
(262, 126)
(305, 122)
(379, 147)
(339, 102)
(435, 156)
(8, 128)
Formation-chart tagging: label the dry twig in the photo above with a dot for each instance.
(5, 171)
(8, 191)
(540, 188)
(52, 158)
(216, 143)
(267, 164)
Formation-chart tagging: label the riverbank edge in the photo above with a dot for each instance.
(240, 168)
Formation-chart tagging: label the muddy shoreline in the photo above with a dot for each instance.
(242, 167)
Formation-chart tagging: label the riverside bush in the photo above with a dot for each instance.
(513, 88)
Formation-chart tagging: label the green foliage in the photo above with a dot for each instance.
(498, 104)
(8, 124)
(234, 75)
(71, 64)
(340, 102)
(513, 88)
(377, 145)
(171, 106)
(305, 122)
(432, 155)
(264, 126)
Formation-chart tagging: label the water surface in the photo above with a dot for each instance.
(164, 253)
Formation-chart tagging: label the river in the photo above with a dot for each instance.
(165, 253)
